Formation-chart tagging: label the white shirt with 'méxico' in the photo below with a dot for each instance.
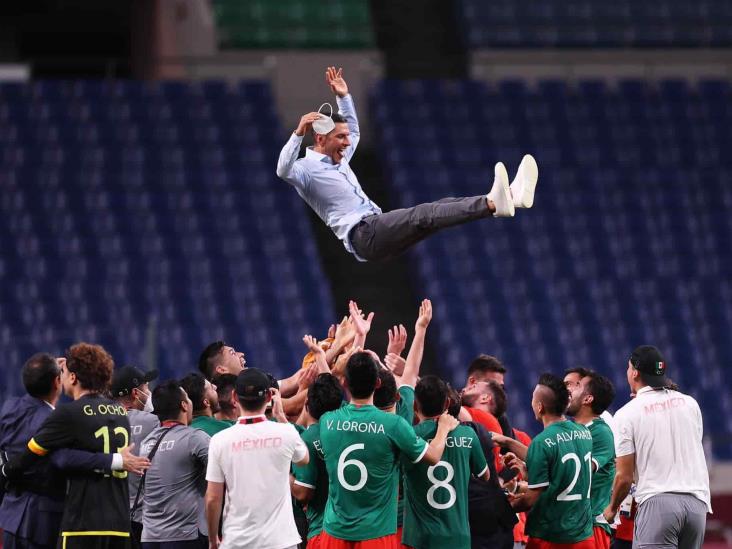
(664, 430)
(254, 461)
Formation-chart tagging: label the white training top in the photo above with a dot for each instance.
(664, 430)
(254, 462)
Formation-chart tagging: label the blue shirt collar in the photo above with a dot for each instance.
(310, 153)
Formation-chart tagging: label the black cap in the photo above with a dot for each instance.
(252, 383)
(127, 378)
(649, 360)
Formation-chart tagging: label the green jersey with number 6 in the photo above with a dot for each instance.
(361, 446)
(560, 461)
(603, 455)
(437, 495)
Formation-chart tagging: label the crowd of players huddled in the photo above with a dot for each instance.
(354, 450)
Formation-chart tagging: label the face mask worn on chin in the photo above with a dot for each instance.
(147, 406)
(324, 125)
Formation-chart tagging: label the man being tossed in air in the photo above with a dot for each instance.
(324, 179)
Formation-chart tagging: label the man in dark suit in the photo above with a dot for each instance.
(32, 507)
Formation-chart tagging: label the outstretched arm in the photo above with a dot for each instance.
(338, 86)
(416, 351)
(287, 169)
(361, 324)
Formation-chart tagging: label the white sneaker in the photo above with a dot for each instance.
(524, 184)
(500, 193)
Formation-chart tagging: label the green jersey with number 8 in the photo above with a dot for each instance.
(361, 446)
(437, 495)
(560, 461)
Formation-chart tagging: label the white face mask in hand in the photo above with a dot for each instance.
(325, 124)
(147, 406)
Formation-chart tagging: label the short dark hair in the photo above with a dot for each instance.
(431, 393)
(499, 397)
(557, 404)
(92, 365)
(385, 394)
(486, 363)
(455, 403)
(251, 404)
(206, 362)
(225, 383)
(39, 373)
(166, 398)
(361, 375)
(337, 118)
(324, 395)
(602, 391)
(579, 370)
(195, 385)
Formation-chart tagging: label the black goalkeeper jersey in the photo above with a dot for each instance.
(95, 503)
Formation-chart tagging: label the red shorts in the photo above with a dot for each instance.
(315, 542)
(398, 535)
(384, 542)
(536, 543)
(602, 538)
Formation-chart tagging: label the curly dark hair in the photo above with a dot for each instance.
(324, 395)
(92, 365)
(557, 403)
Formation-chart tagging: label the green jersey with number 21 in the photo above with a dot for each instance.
(560, 461)
(361, 446)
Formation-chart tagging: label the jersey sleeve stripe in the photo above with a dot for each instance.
(422, 454)
(597, 465)
(540, 485)
(36, 448)
(483, 471)
(305, 484)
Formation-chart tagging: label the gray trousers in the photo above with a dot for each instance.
(384, 236)
(670, 520)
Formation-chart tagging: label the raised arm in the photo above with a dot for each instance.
(338, 86)
(416, 351)
(361, 324)
(287, 168)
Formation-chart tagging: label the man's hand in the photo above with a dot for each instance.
(499, 439)
(609, 513)
(335, 80)
(214, 541)
(332, 331)
(133, 463)
(278, 412)
(425, 315)
(312, 344)
(306, 122)
(361, 324)
(339, 368)
(511, 461)
(447, 422)
(395, 363)
(397, 340)
(307, 377)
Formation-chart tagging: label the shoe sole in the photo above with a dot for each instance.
(502, 174)
(529, 171)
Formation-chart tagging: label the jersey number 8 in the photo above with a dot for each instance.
(437, 483)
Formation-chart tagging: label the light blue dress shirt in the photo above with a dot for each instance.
(331, 190)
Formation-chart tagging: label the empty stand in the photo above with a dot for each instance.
(629, 240)
(294, 24)
(127, 205)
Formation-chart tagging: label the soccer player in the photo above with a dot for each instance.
(228, 404)
(588, 400)
(310, 485)
(130, 387)
(251, 461)
(205, 401)
(325, 181)
(436, 513)
(361, 446)
(559, 474)
(97, 510)
(173, 512)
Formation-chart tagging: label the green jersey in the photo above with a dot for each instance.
(559, 460)
(361, 446)
(437, 495)
(603, 456)
(405, 409)
(314, 476)
(209, 425)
